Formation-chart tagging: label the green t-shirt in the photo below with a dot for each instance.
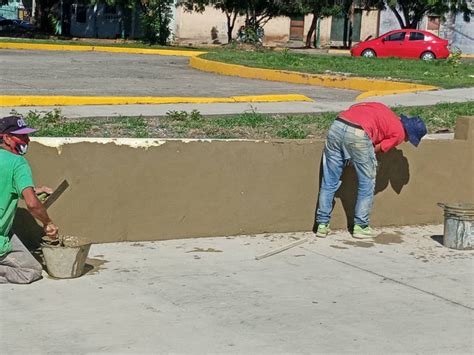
(15, 176)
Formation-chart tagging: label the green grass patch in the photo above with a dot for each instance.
(53, 123)
(450, 73)
(248, 125)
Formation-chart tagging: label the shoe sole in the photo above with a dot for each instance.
(320, 235)
(362, 236)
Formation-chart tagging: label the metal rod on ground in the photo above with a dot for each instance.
(283, 248)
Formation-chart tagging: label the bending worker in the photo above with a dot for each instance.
(17, 265)
(355, 137)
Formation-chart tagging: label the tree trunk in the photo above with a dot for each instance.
(311, 30)
(399, 18)
(230, 25)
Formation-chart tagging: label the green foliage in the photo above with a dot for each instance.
(54, 124)
(292, 131)
(184, 116)
(137, 126)
(257, 12)
(247, 119)
(409, 13)
(441, 116)
(156, 19)
(250, 125)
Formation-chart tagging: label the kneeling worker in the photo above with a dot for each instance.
(355, 136)
(17, 265)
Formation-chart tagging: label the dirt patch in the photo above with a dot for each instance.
(389, 238)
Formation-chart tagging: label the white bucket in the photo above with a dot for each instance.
(65, 262)
(458, 225)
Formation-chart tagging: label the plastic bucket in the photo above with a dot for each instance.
(458, 225)
(65, 262)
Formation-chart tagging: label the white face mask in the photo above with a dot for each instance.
(22, 148)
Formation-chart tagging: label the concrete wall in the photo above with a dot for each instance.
(175, 188)
(98, 24)
(369, 25)
(195, 28)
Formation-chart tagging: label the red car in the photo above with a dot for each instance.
(406, 43)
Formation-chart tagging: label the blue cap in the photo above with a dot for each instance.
(415, 128)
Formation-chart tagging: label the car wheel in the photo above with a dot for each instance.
(368, 53)
(428, 56)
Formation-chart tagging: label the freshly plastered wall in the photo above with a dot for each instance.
(154, 190)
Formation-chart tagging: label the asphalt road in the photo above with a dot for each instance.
(111, 74)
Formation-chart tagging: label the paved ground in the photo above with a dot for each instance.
(403, 292)
(109, 74)
(412, 99)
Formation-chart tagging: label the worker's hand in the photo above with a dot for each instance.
(51, 230)
(43, 189)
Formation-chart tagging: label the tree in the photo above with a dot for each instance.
(410, 13)
(319, 9)
(156, 19)
(257, 12)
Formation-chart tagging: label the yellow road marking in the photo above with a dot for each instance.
(79, 48)
(15, 101)
(373, 86)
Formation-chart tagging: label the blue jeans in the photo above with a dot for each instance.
(346, 144)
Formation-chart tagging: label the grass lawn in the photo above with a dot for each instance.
(451, 73)
(250, 125)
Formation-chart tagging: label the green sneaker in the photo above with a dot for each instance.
(362, 233)
(323, 230)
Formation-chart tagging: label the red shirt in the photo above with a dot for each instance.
(381, 124)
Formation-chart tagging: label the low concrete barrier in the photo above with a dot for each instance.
(130, 190)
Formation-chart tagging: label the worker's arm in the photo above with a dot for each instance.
(378, 148)
(37, 210)
(43, 189)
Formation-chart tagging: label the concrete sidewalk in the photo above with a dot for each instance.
(401, 292)
(412, 99)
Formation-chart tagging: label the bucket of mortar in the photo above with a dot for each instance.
(458, 225)
(65, 262)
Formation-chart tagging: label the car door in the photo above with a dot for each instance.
(415, 45)
(392, 45)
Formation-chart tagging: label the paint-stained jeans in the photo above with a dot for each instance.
(346, 144)
(19, 266)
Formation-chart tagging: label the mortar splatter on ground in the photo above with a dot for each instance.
(359, 244)
(389, 238)
(93, 266)
(201, 250)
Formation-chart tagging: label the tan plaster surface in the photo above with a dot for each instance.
(156, 190)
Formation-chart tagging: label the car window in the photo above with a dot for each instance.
(417, 36)
(398, 36)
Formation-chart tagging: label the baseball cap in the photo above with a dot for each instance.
(15, 125)
(415, 128)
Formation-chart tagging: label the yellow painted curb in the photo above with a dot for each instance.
(339, 51)
(467, 56)
(14, 101)
(79, 48)
(373, 86)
